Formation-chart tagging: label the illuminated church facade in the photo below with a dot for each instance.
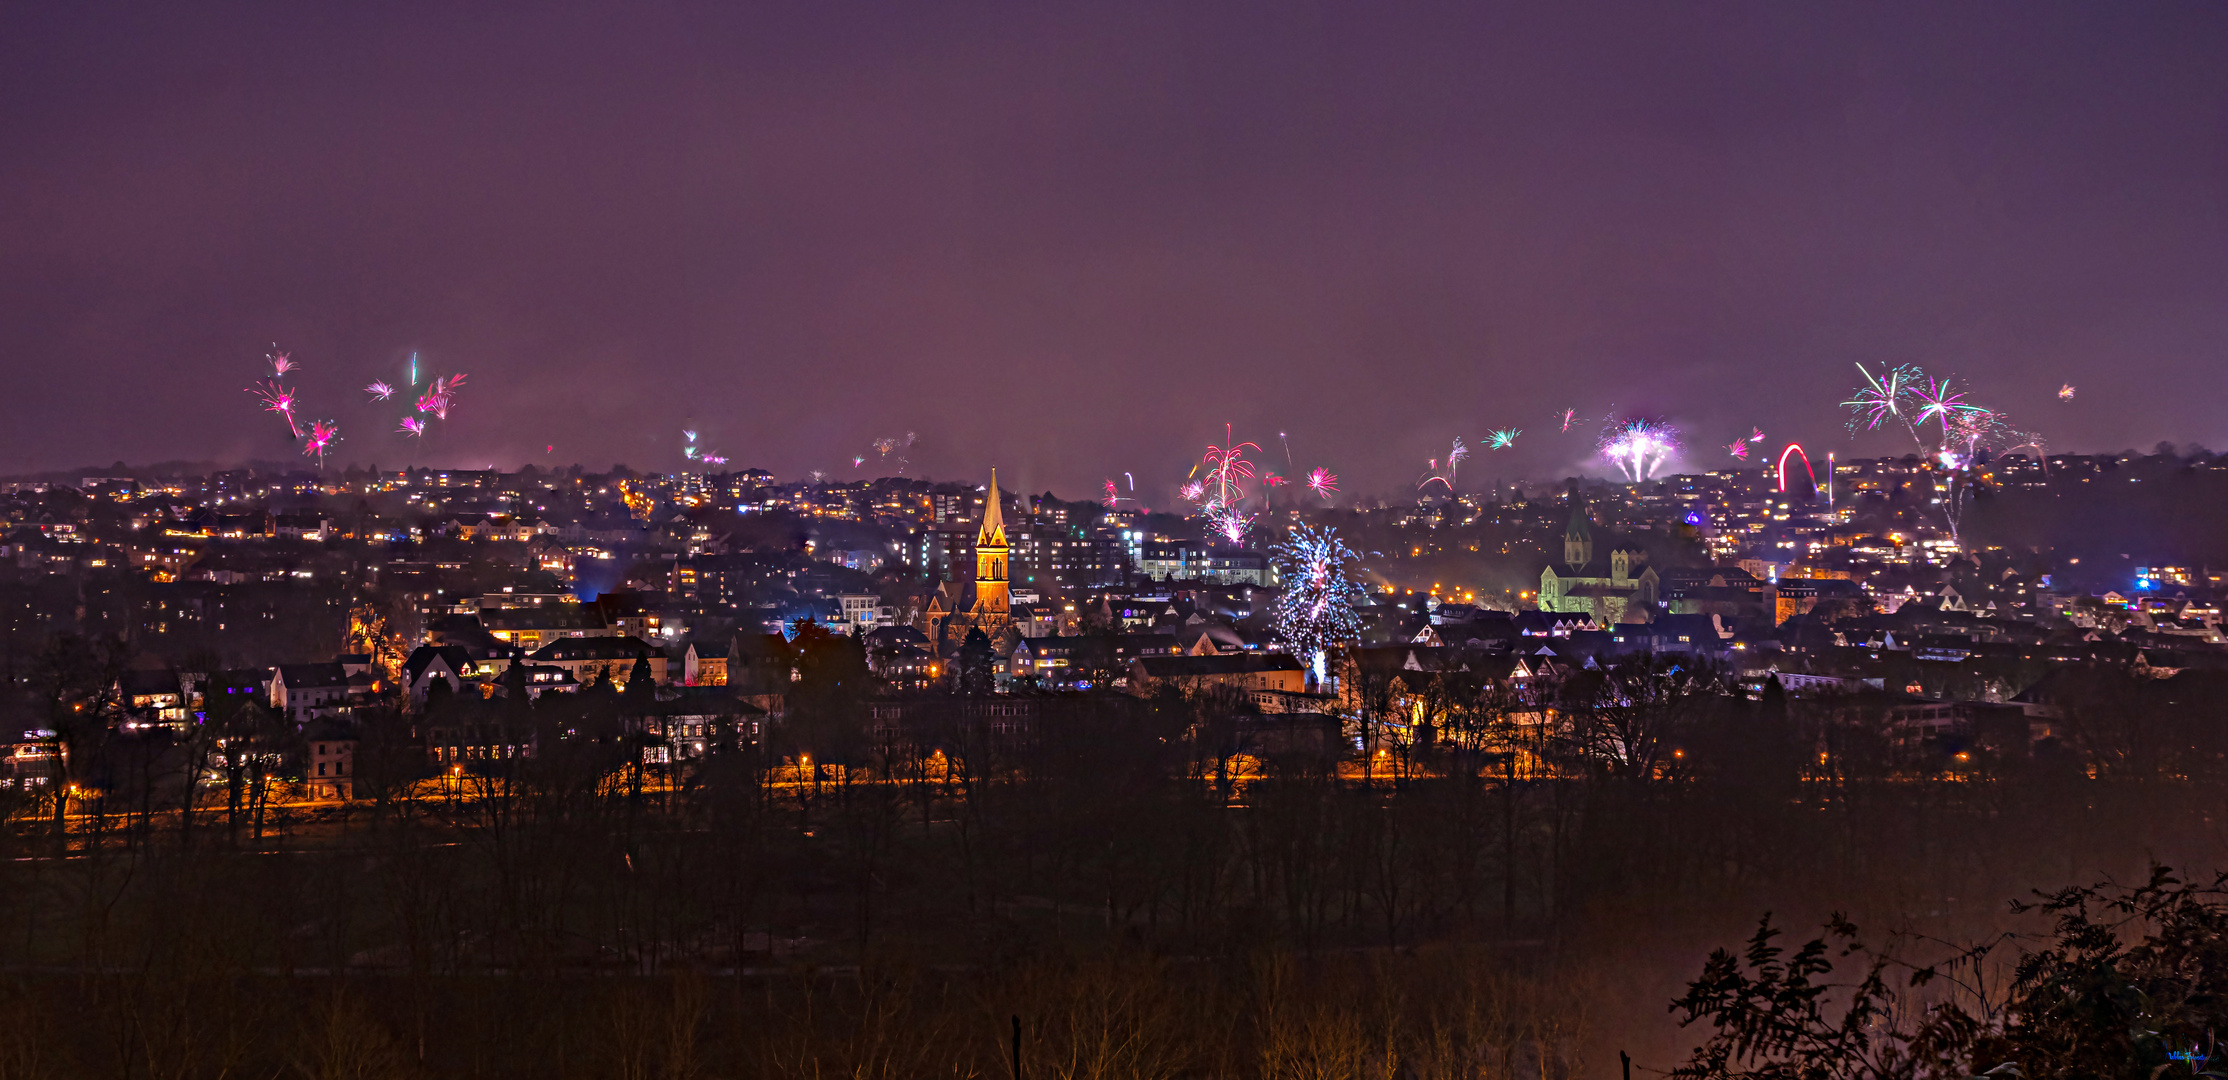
(991, 608)
(1628, 595)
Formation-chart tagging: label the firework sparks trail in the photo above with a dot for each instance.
(715, 459)
(1638, 446)
(1967, 431)
(1881, 398)
(1756, 434)
(1502, 439)
(411, 425)
(1738, 448)
(1232, 523)
(277, 399)
(1226, 466)
(280, 362)
(440, 395)
(687, 435)
(1269, 483)
(1316, 608)
(1112, 494)
(1456, 457)
(2065, 392)
(322, 435)
(379, 391)
(1323, 482)
(858, 461)
(1972, 432)
(1192, 491)
(1132, 482)
(2028, 440)
(1569, 417)
(1938, 402)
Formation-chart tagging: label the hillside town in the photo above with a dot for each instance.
(698, 599)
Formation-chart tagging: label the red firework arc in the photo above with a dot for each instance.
(1797, 450)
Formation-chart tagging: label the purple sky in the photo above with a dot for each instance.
(1074, 239)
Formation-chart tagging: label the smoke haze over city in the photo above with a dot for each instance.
(1075, 239)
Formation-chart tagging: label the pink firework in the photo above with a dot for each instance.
(380, 391)
(277, 399)
(1738, 448)
(715, 459)
(1226, 465)
(1193, 491)
(440, 396)
(322, 435)
(411, 425)
(1756, 435)
(1111, 497)
(1232, 525)
(1570, 416)
(1323, 482)
(280, 363)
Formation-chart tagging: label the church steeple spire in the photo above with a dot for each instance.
(993, 532)
(991, 597)
(1578, 540)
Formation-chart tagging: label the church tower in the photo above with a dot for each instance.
(992, 605)
(1578, 539)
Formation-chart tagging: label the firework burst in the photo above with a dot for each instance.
(1502, 439)
(1882, 398)
(1322, 482)
(1738, 448)
(1231, 524)
(412, 426)
(280, 362)
(2065, 392)
(322, 435)
(1639, 446)
(1936, 401)
(379, 391)
(440, 396)
(277, 399)
(1226, 466)
(1315, 608)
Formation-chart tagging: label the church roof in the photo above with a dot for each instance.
(993, 532)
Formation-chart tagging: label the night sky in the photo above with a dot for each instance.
(1074, 239)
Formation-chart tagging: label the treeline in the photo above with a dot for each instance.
(1486, 890)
